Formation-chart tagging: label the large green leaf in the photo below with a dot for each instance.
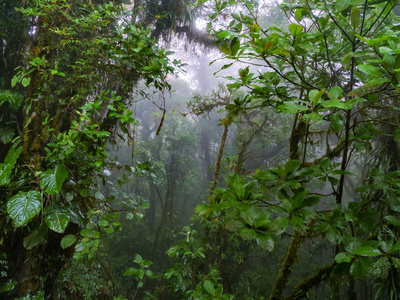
(367, 251)
(372, 70)
(57, 218)
(12, 156)
(51, 181)
(24, 206)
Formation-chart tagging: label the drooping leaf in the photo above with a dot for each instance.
(51, 181)
(337, 122)
(36, 237)
(57, 217)
(235, 46)
(355, 17)
(23, 206)
(8, 166)
(225, 49)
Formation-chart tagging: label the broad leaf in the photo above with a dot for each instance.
(367, 251)
(337, 122)
(57, 218)
(12, 156)
(24, 206)
(68, 241)
(6, 134)
(209, 287)
(291, 166)
(51, 181)
(343, 257)
(295, 29)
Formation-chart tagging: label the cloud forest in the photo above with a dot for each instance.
(199, 149)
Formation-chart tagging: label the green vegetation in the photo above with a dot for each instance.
(295, 195)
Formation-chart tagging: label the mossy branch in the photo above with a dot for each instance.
(304, 286)
(220, 153)
(287, 267)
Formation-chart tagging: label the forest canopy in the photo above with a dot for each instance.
(121, 178)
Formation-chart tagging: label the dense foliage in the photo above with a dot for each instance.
(69, 73)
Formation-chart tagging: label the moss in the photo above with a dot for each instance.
(287, 267)
(304, 286)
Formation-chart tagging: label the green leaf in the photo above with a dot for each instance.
(36, 237)
(299, 14)
(265, 242)
(8, 286)
(266, 175)
(225, 49)
(367, 251)
(14, 80)
(343, 257)
(203, 210)
(355, 17)
(57, 217)
(12, 156)
(209, 287)
(8, 166)
(51, 181)
(23, 206)
(224, 34)
(295, 29)
(291, 166)
(298, 199)
(25, 82)
(335, 93)
(325, 163)
(315, 95)
(361, 267)
(68, 241)
(393, 220)
(235, 46)
(337, 122)
(130, 271)
(6, 134)
(372, 70)
(292, 107)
